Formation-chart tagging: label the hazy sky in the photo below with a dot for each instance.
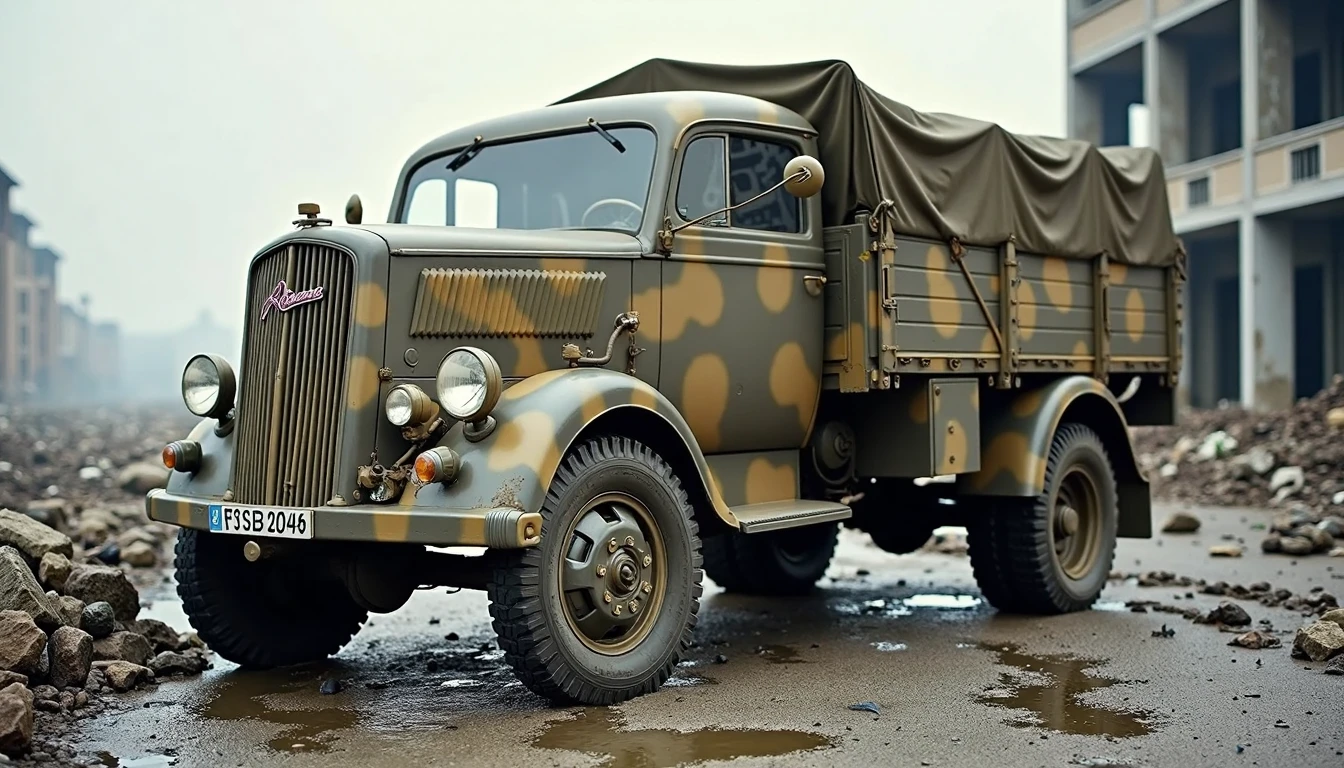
(160, 143)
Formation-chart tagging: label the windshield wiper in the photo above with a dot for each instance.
(466, 155)
(615, 142)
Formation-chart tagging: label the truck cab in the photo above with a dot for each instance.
(621, 342)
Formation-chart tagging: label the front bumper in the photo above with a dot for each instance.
(497, 527)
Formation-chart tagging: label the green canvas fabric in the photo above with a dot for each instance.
(948, 176)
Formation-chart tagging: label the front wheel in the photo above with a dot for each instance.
(1052, 553)
(271, 613)
(601, 610)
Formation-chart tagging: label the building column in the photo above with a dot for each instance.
(1274, 84)
(1171, 101)
(1266, 313)
(1085, 116)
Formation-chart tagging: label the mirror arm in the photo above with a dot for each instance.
(665, 234)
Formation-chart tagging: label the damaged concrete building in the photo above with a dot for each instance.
(1244, 100)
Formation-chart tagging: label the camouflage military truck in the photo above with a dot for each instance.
(687, 322)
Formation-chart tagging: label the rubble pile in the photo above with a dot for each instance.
(1291, 460)
(73, 534)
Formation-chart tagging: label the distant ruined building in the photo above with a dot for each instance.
(50, 352)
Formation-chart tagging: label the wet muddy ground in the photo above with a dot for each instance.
(780, 682)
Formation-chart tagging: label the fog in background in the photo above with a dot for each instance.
(160, 144)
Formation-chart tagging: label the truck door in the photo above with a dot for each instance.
(742, 321)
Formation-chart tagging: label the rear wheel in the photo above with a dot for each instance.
(1052, 553)
(600, 611)
(271, 613)
(785, 562)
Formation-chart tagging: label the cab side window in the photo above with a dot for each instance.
(753, 166)
(702, 188)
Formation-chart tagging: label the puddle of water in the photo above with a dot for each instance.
(942, 602)
(689, 681)
(1110, 605)
(879, 607)
(1055, 699)
(780, 654)
(254, 696)
(148, 761)
(886, 646)
(459, 683)
(598, 731)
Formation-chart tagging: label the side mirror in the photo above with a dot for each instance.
(354, 210)
(809, 182)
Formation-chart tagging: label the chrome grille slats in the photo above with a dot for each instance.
(290, 407)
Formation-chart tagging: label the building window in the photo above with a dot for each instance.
(1198, 191)
(23, 337)
(23, 302)
(1306, 163)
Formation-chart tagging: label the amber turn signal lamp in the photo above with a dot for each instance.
(437, 465)
(182, 455)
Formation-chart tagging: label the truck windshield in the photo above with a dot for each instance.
(575, 179)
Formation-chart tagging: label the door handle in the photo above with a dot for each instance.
(813, 284)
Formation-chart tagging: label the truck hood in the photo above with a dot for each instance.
(412, 239)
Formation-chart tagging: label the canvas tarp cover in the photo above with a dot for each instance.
(948, 176)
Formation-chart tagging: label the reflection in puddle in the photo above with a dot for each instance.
(1110, 605)
(942, 602)
(256, 696)
(597, 731)
(689, 681)
(780, 654)
(148, 761)
(886, 646)
(1050, 687)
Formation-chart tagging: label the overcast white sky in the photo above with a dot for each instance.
(159, 143)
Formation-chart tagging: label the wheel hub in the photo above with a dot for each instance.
(1077, 523)
(610, 574)
(1067, 522)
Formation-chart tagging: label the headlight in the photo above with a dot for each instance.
(408, 405)
(469, 384)
(208, 386)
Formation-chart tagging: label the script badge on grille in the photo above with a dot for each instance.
(284, 299)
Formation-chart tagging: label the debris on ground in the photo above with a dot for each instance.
(1225, 550)
(1227, 614)
(1255, 640)
(1234, 457)
(1181, 522)
(73, 535)
(1319, 642)
(866, 706)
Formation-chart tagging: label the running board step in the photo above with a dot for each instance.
(775, 515)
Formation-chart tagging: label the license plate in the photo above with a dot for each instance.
(262, 521)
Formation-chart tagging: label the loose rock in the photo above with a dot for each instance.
(98, 620)
(1181, 522)
(53, 570)
(140, 555)
(1225, 550)
(1295, 545)
(95, 583)
(1336, 616)
(22, 644)
(171, 663)
(19, 590)
(123, 675)
(142, 477)
(31, 537)
(123, 646)
(7, 677)
(1318, 642)
(16, 720)
(1227, 613)
(1336, 666)
(71, 652)
(69, 609)
(161, 636)
(1256, 639)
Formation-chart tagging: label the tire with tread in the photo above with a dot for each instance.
(264, 614)
(763, 564)
(525, 601)
(1011, 543)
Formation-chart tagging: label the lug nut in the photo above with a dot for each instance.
(616, 610)
(634, 606)
(647, 588)
(606, 597)
(601, 570)
(648, 561)
(629, 541)
(611, 546)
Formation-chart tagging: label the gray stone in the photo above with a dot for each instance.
(142, 477)
(96, 680)
(71, 652)
(68, 608)
(53, 570)
(1320, 540)
(95, 583)
(31, 537)
(140, 555)
(1181, 522)
(172, 663)
(21, 643)
(98, 620)
(16, 720)
(1333, 525)
(123, 675)
(19, 590)
(123, 646)
(1319, 642)
(160, 635)
(1228, 613)
(1336, 615)
(1336, 666)
(1296, 545)
(1287, 477)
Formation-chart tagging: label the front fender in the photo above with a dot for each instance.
(1017, 439)
(538, 419)
(212, 479)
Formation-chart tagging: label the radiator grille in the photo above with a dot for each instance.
(290, 405)
(507, 302)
